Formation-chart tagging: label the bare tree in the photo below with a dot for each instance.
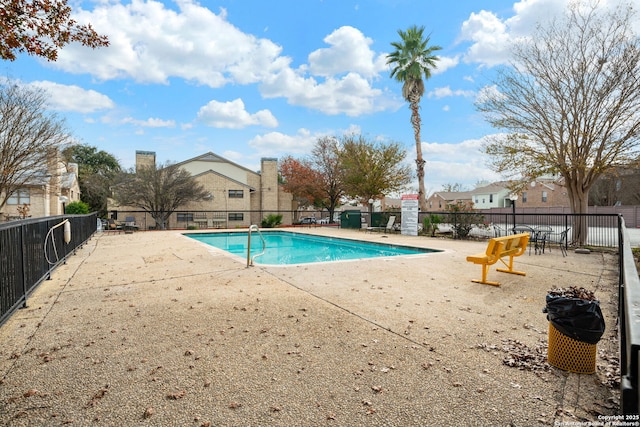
(325, 159)
(569, 103)
(29, 137)
(158, 190)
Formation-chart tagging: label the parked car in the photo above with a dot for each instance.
(324, 220)
(308, 220)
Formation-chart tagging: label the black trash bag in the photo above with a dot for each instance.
(576, 318)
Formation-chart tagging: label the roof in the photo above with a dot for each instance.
(214, 158)
(453, 195)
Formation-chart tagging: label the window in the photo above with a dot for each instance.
(236, 216)
(20, 197)
(524, 197)
(236, 194)
(490, 198)
(185, 217)
(544, 197)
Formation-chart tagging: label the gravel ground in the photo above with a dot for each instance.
(153, 328)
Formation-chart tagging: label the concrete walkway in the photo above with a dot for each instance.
(154, 328)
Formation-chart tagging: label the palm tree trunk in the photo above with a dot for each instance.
(415, 122)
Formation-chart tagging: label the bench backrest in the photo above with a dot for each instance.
(515, 245)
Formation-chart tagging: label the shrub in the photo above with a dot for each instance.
(77, 208)
(463, 218)
(430, 224)
(271, 221)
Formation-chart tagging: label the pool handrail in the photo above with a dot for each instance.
(250, 258)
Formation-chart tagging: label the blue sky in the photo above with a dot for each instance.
(248, 79)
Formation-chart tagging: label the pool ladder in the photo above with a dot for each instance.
(264, 245)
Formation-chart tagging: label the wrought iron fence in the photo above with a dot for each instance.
(629, 330)
(31, 249)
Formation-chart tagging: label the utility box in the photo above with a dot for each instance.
(351, 219)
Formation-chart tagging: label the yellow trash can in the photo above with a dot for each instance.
(569, 354)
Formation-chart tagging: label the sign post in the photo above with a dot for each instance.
(409, 224)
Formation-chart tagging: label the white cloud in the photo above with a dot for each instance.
(233, 115)
(444, 92)
(488, 92)
(444, 63)
(489, 37)
(73, 98)
(463, 163)
(150, 43)
(277, 143)
(352, 94)
(149, 123)
(349, 53)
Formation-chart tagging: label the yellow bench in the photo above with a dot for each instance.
(498, 248)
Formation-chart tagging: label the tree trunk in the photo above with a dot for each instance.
(415, 122)
(579, 199)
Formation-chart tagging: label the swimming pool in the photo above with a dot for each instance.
(286, 248)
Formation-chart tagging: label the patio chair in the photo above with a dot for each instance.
(130, 224)
(499, 231)
(542, 235)
(113, 226)
(388, 227)
(559, 238)
(201, 220)
(518, 229)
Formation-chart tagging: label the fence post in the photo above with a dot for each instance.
(23, 252)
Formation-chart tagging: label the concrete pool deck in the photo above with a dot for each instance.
(154, 328)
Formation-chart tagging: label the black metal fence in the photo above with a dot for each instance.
(31, 249)
(629, 318)
(602, 228)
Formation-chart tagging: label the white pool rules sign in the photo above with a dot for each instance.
(409, 224)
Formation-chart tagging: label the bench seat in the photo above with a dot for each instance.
(497, 249)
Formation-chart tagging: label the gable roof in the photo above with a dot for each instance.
(214, 158)
(453, 195)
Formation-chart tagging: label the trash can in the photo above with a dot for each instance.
(576, 324)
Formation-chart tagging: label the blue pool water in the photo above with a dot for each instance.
(284, 248)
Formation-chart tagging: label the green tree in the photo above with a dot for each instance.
(412, 60)
(40, 28)
(77, 208)
(160, 191)
(371, 170)
(96, 172)
(569, 103)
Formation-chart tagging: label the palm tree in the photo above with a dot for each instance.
(413, 58)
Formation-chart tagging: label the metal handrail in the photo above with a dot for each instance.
(264, 245)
